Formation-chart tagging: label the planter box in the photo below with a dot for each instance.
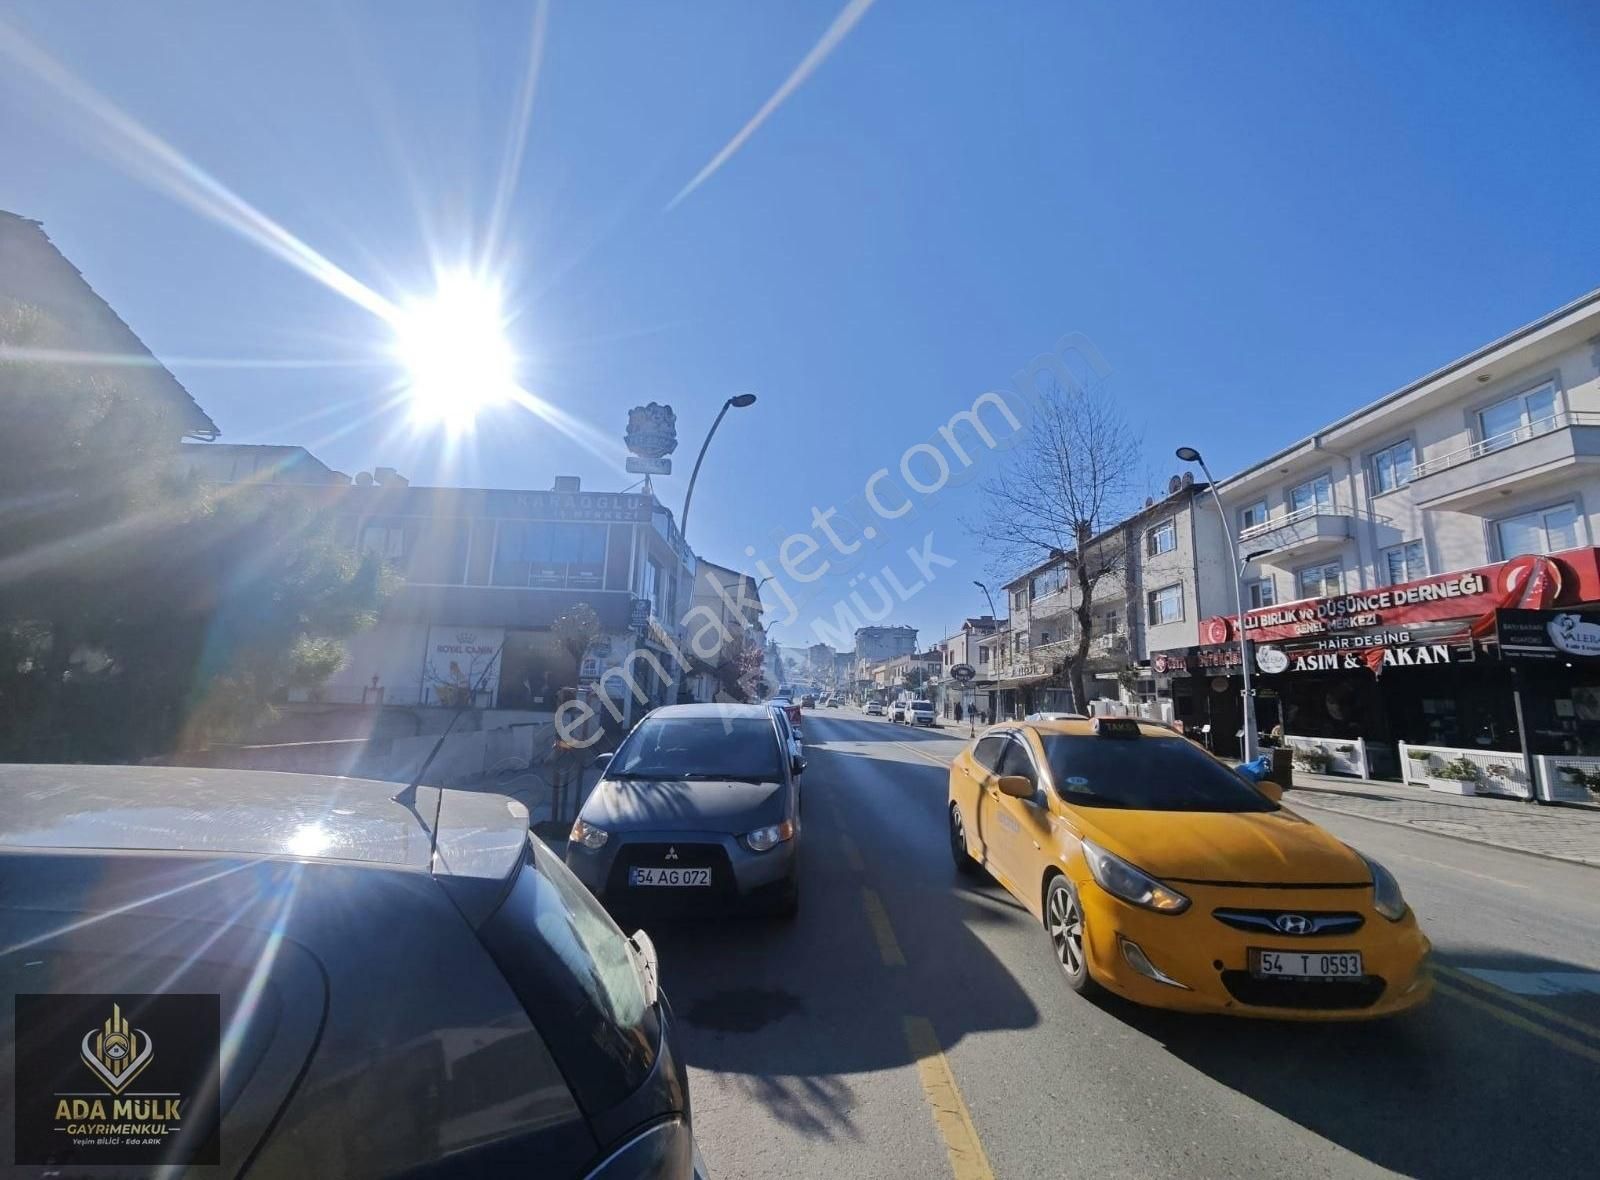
(1452, 786)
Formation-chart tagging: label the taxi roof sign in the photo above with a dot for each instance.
(1117, 727)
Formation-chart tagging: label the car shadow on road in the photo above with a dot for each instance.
(1448, 1091)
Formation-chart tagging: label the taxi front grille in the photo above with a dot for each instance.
(1328, 995)
(1311, 924)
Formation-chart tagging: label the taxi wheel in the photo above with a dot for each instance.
(958, 844)
(1063, 918)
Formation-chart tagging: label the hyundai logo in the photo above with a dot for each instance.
(1292, 923)
(672, 854)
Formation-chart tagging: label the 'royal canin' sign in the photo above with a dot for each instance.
(1528, 582)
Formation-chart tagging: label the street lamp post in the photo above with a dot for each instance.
(741, 401)
(1252, 747)
(993, 614)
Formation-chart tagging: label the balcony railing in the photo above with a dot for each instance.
(1273, 524)
(1500, 442)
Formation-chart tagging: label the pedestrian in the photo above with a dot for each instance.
(958, 710)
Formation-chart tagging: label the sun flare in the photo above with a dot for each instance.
(453, 345)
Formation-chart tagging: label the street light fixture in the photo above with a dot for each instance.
(739, 401)
(1252, 747)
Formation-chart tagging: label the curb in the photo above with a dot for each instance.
(1411, 827)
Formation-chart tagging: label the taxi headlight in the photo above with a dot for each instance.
(763, 839)
(1386, 896)
(1121, 879)
(588, 835)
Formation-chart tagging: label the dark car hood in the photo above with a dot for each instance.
(678, 806)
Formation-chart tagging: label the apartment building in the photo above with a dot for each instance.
(1378, 549)
(877, 644)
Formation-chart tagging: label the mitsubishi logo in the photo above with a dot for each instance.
(672, 854)
(1292, 923)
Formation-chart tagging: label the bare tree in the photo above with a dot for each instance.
(1073, 475)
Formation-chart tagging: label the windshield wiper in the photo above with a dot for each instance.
(730, 778)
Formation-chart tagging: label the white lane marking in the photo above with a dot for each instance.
(1539, 983)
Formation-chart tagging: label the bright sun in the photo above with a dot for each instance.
(455, 351)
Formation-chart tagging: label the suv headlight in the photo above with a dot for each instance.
(1386, 896)
(1121, 879)
(763, 839)
(585, 833)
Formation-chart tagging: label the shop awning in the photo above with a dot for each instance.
(1022, 681)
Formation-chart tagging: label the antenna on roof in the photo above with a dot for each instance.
(407, 795)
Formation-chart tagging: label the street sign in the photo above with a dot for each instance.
(643, 466)
(963, 673)
(641, 614)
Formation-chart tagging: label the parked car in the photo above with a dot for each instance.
(874, 708)
(791, 739)
(370, 954)
(792, 711)
(920, 713)
(897, 711)
(697, 812)
(808, 702)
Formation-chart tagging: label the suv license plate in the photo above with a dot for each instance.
(1266, 964)
(651, 875)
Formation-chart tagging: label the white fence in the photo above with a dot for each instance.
(1467, 772)
(1565, 778)
(1330, 755)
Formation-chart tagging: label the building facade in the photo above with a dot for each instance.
(877, 644)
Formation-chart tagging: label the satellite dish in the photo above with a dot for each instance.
(1188, 478)
(1149, 500)
(1174, 484)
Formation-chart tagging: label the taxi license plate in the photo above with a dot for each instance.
(1266, 964)
(651, 875)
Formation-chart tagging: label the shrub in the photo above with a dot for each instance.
(1462, 770)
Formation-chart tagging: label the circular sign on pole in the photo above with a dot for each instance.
(1219, 684)
(963, 673)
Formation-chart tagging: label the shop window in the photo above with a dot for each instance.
(1516, 418)
(1161, 539)
(1405, 563)
(1313, 494)
(1321, 581)
(1260, 592)
(1392, 466)
(1546, 530)
(1166, 605)
(1254, 515)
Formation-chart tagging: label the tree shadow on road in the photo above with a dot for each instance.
(1449, 1091)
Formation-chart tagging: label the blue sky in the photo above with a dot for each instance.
(1262, 215)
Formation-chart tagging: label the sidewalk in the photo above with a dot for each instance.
(1560, 833)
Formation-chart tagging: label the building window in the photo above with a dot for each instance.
(1044, 638)
(1321, 581)
(385, 538)
(548, 554)
(1166, 605)
(1260, 593)
(1313, 494)
(1019, 601)
(1391, 467)
(1547, 530)
(1049, 582)
(1405, 563)
(1109, 622)
(1516, 418)
(439, 555)
(1255, 514)
(1161, 539)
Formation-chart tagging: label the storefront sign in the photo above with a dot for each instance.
(606, 507)
(1528, 581)
(462, 666)
(1271, 659)
(1543, 636)
(1377, 659)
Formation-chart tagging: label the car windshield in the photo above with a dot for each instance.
(744, 748)
(1146, 774)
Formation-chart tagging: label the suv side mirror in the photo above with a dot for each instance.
(1271, 790)
(1015, 785)
(797, 765)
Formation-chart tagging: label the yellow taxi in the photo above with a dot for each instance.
(1164, 876)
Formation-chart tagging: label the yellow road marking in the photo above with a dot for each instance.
(910, 749)
(950, 1114)
(1505, 997)
(878, 919)
(852, 854)
(1559, 1039)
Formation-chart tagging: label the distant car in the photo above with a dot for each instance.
(1056, 717)
(897, 711)
(369, 955)
(808, 702)
(874, 708)
(920, 713)
(831, 703)
(697, 812)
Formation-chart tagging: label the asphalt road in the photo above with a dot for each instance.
(910, 1023)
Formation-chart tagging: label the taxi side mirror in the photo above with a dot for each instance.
(1271, 790)
(1015, 785)
(797, 765)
